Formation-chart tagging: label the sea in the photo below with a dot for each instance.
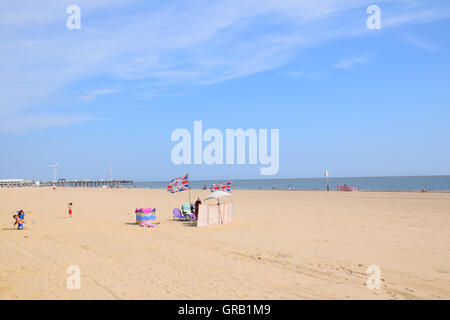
(430, 183)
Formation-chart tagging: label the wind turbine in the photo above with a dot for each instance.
(109, 172)
(54, 166)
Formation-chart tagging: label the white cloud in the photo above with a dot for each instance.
(31, 122)
(422, 44)
(350, 62)
(171, 43)
(301, 74)
(417, 16)
(95, 93)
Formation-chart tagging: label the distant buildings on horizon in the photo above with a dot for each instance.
(63, 182)
(17, 182)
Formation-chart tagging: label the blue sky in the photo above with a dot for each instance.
(357, 102)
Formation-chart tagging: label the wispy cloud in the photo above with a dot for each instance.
(422, 44)
(31, 122)
(95, 93)
(418, 14)
(172, 43)
(350, 62)
(301, 74)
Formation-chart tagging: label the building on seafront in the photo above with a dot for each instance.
(16, 183)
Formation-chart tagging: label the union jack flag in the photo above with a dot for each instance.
(179, 184)
(221, 186)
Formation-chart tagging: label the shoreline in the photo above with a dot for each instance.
(318, 190)
(240, 189)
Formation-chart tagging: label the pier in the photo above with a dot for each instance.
(90, 183)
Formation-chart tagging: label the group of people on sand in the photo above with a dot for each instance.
(19, 217)
(194, 207)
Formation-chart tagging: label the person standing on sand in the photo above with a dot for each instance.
(70, 209)
(197, 204)
(20, 220)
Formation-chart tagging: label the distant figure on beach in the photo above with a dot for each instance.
(16, 219)
(197, 204)
(424, 190)
(19, 219)
(70, 209)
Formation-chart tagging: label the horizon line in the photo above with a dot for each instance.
(247, 179)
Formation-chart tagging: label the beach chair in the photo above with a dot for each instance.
(186, 209)
(192, 216)
(177, 214)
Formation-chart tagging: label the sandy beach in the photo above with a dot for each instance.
(282, 245)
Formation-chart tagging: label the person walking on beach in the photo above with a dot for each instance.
(70, 209)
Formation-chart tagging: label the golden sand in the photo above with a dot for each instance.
(282, 245)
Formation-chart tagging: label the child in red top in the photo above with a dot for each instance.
(70, 209)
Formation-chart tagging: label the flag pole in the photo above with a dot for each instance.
(189, 191)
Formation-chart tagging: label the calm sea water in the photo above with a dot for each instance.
(431, 183)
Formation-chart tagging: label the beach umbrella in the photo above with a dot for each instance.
(217, 195)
